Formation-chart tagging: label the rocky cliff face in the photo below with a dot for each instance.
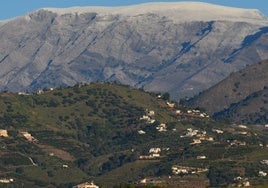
(181, 48)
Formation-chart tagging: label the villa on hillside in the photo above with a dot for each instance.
(86, 185)
(3, 133)
(28, 137)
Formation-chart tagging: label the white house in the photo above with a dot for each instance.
(28, 136)
(171, 105)
(201, 157)
(242, 126)
(155, 150)
(86, 185)
(196, 141)
(218, 131)
(162, 127)
(3, 133)
(262, 174)
(264, 162)
(151, 113)
(141, 132)
(4, 180)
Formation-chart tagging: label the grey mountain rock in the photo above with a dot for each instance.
(180, 48)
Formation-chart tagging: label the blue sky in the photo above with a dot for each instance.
(13, 8)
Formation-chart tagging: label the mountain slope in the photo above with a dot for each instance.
(104, 132)
(240, 87)
(180, 48)
(252, 109)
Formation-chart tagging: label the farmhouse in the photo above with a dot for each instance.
(171, 105)
(201, 157)
(3, 133)
(162, 127)
(86, 185)
(28, 136)
(196, 141)
(4, 180)
(262, 174)
(141, 132)
(218, 131)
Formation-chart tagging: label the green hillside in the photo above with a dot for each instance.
(115, 135)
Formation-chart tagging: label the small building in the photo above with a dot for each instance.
(162, 127)
(211, 139)
(196, 141)
(243, 132)
(189, 111)
(143, 181)
(218, 131)
(28, 137)
(246, 184)
(155, 150)
(242, 126)
(3, 133)
(262, 174)
(5, 180)
(171, 105)
(178, 112)
(179, 170)
(141, 132)
(151, 121)
(151, 113)
(86, 185)
(201, 157)
(145, 117)
(65, 166)
(264, 162)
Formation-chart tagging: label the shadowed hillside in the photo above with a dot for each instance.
(242, 93)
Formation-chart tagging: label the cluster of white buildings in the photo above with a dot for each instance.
(197, 113)
(237, 143)
(199, 136)
(148, 117)
(187, 170)
(5, 180)
(242, 182)
(153, 153)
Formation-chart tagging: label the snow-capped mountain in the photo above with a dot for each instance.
(181, 48)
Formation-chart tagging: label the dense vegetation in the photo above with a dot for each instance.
(91, 132)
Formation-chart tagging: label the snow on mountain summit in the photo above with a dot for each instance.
(178, 11)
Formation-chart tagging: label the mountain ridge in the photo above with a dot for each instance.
(196, 10)
(149, 51)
